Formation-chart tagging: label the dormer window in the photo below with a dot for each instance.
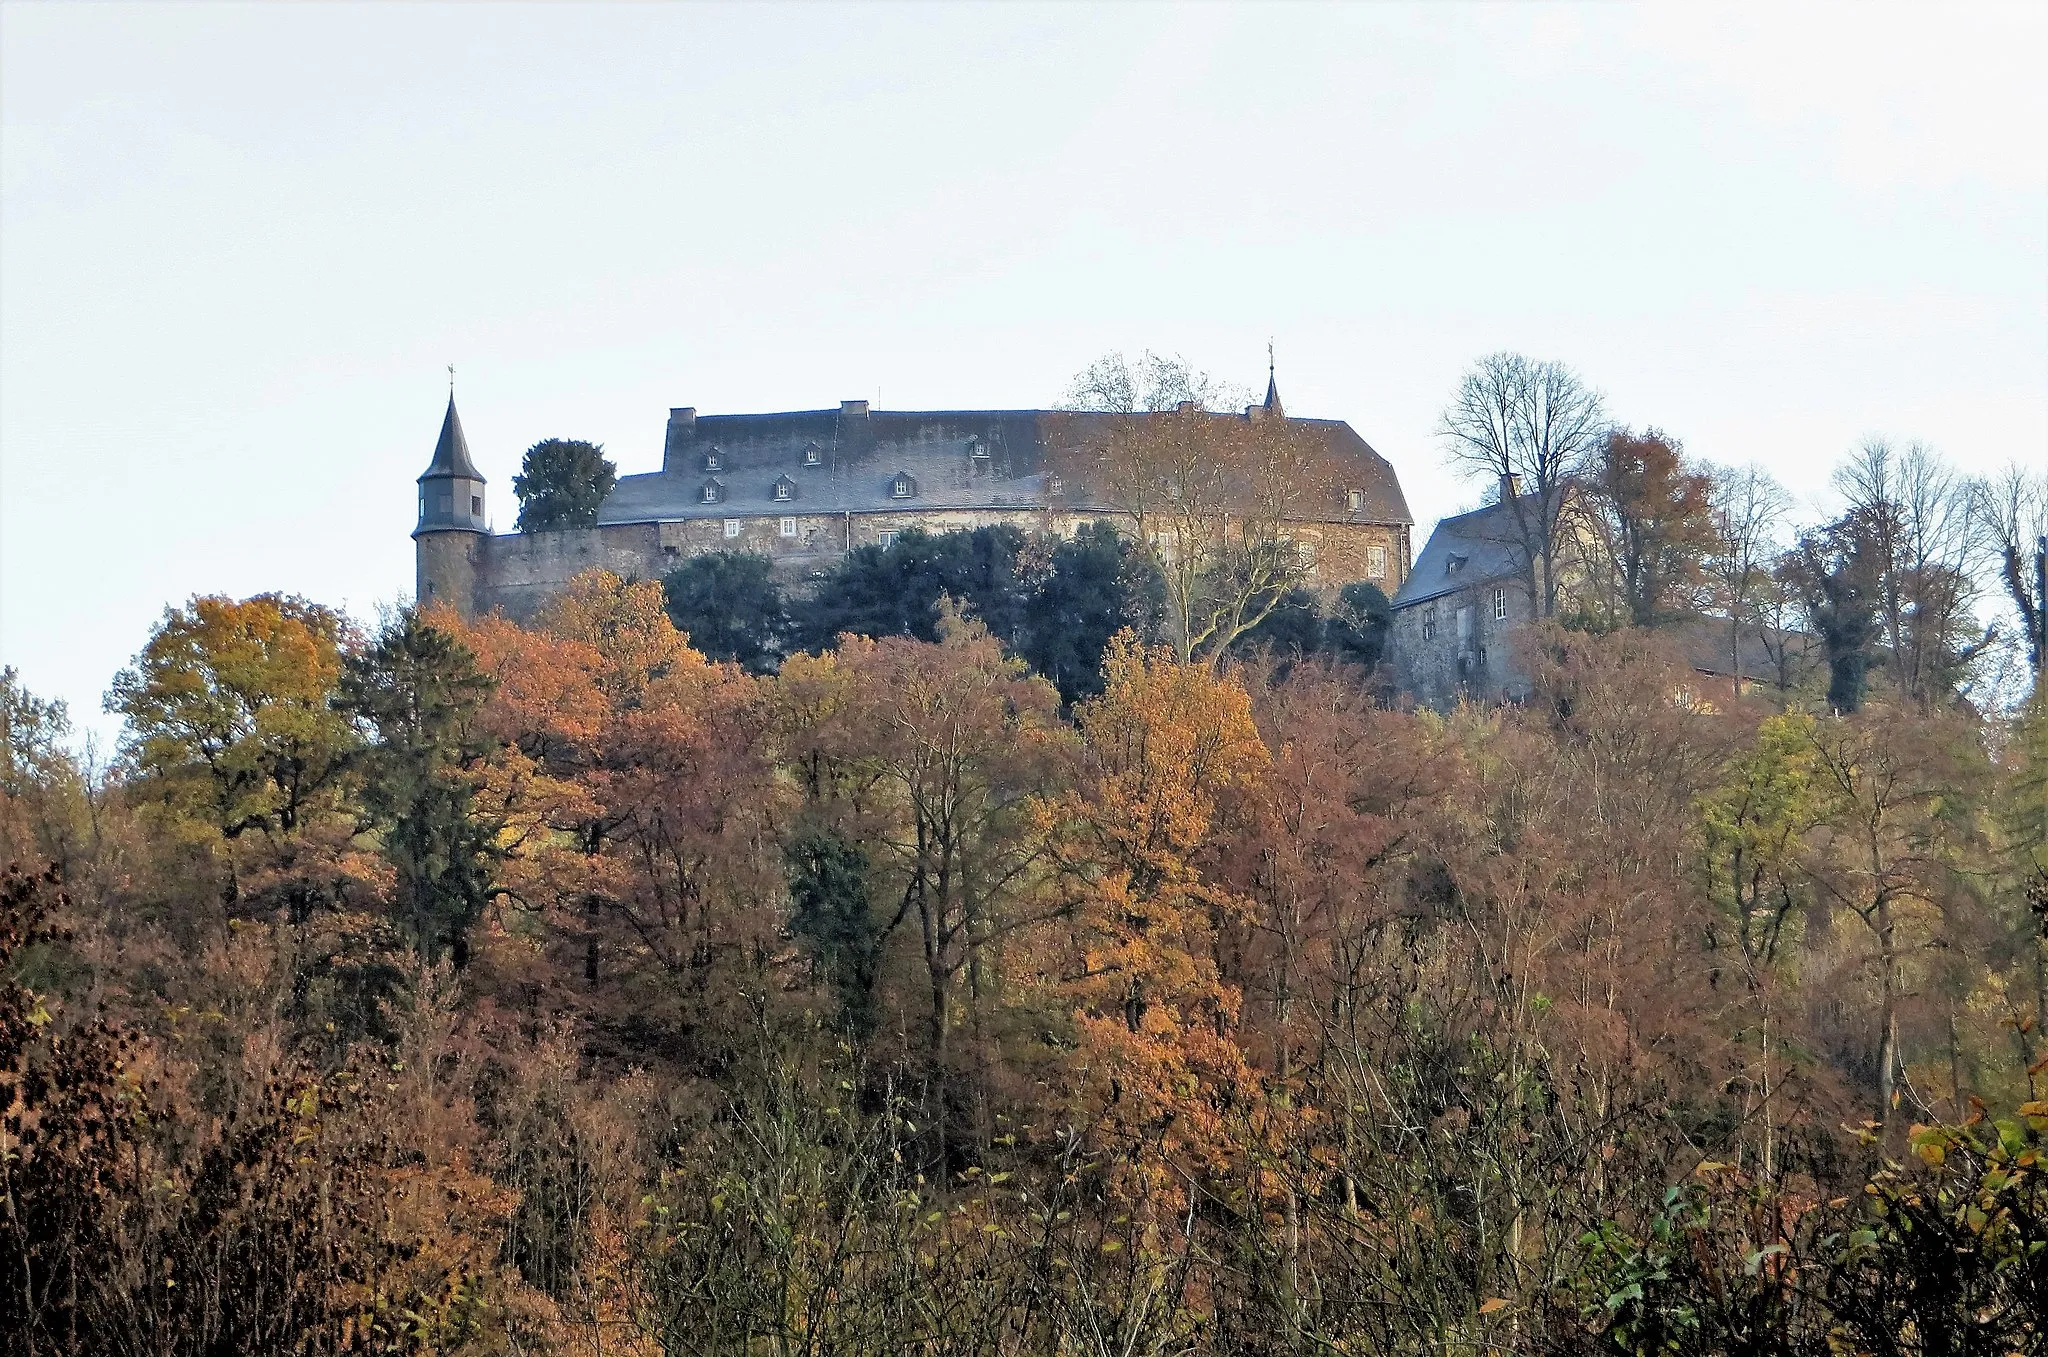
(977, 449)
(813, 455)
(714, 459)
(712, 492)
(903, 487)
(1052, 485)
(1354, 500)
(1453, 564)
(785, 488)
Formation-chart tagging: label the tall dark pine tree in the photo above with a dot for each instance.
(894, 590)
(562, 482)
(1834, 570)
(729, 604)
(416, 691)
(1097, 585)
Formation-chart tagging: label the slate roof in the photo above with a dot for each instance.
(863, 451)
(451, 454)
(1467, 549)
(1703, 641)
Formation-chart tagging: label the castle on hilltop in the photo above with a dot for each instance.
(807, 487)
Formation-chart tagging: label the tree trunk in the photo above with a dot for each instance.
(1888, 1016)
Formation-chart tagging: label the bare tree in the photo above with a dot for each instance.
(2012, 515)
(1118, 385)
(1917, 516)
(1533, 428)
(1213, 498)
(1749, 509)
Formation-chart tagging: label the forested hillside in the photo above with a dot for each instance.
(468, 988)
(454, 986)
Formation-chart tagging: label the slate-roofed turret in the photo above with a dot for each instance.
(451, 488)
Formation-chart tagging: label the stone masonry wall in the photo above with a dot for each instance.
(518, 572)
(1344, 552)
(1438, 667)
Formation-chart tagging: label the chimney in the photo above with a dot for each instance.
(1510, 487)
(855, 436)
(1188, 407)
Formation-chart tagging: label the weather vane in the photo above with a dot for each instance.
(451, 379)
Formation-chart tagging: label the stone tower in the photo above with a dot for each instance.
(452, 529)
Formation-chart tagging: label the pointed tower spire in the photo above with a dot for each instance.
(1273, 407)
(451, 453)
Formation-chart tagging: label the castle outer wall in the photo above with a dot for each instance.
(516, 573)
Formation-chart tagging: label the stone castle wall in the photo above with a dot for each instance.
(517, 573)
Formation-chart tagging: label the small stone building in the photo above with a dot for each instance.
(1457, 613)
(804, 488)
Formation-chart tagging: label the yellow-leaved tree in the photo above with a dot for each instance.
(1159, 1065)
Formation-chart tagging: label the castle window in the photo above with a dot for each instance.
(1354, 500)
(712, 493)
(888, 538)
(476, 505)
(1376, 563)
(1500, 604)
(789, 527)
(732, 527)
(813, 455)
(903, 487)
(1482, 657)
(1429, 629)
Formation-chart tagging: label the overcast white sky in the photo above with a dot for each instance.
(239, 244)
